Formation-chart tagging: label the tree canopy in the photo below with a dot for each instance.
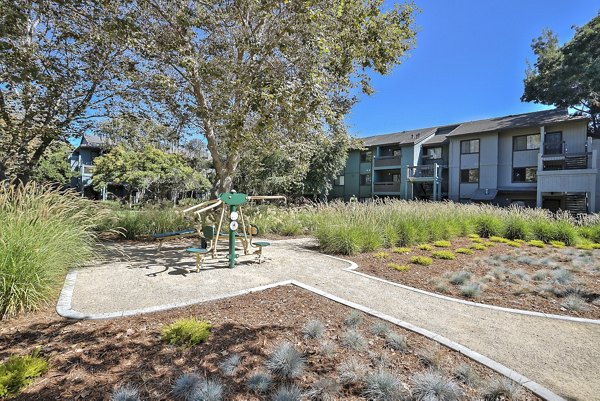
(263, 75)
(568, 75)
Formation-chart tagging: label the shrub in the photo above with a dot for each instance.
(487, 226)
(537, 243)
(187, 332)
(383, 386)
(396, 342)
(557, 244)
(259, 382)
(465, 374)
(380, 329)
(136, 224)
(401, 250)
(381, 255)
(229, 365)
(421, 260)
(502, 389)
(325, 389)
(515, 229)
(478, 247)
(464, 251)
(286, 362)
(459, 277)
(354, 340)
(470, 290)
(352, 371)
(399, 267)
(125, 393)
(443, 255)
(574, 302)
(43, 233)
(499, 239)
(431, 385)
(353, 319)
(442, 244)
(19, 371)
(288, 392)
(425, 247)
(313, 329)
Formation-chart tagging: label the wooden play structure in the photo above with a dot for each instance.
(231, 202)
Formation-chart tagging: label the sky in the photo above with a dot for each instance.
(468, 64)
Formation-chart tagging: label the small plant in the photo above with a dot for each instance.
(383, 386)
(380, 328)
(587, 247)
(352, 371)
(354, 340)
(325, 389)
(401, 250)
(514, 244)
(444, 255)
(259, 382)
(421, 260)
(502, 389)
(396, 342)
(488, 226)
(186, 385)
(470, 290)
(125, 393)
(461, 277)
(229, 365)
(288, 392)
(381, 255)
(537, 243)
(19, 371)
(425, 247)
(399, 267)
(473, 236)
(562, 276)
(442, 244)
(477, 240)
(286, 361)
(441, 286)
(574, 302)
(327, 349)
(353, 319)
(464, 251)
(520, 273)
(526, 260)
(313, 329)
(431, 385)
(465, 374)
(557, 244)
(209, 390)
(431, 357)
(500, 240)
(539, 275)
(187, 332)
(478, 247)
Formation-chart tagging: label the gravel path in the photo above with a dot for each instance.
(560, 355)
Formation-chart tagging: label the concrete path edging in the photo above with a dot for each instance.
(64, 309)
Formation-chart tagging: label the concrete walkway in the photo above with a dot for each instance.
(560, 355)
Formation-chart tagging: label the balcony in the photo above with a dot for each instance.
(387, 161)
(387, 187)
(429, 172)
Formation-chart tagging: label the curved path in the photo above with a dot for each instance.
(555, 354)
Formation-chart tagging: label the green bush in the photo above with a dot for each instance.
(399, 267)
(19, 371)
(488, 225)
(465, 251)
(187, 332)
(515, 228)
(442, 244)
(444, 255)
(425, 247)
(421, 260)
(537, 243)
(136, 224)
(44, 232)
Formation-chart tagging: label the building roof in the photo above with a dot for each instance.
(400, 138)
(535, 119)
(92, 141)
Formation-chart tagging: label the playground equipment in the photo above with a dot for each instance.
(234, 202)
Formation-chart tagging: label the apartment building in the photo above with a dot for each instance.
(541, 159)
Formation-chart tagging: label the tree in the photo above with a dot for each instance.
(53, 166)
(264, 74)
(61, 63)
(568, 75)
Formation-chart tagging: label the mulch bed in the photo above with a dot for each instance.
(506, 289)
(89, 359)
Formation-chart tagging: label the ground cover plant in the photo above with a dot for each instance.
(551, 279)
(44, 233)
(257, 350)
(19, 371)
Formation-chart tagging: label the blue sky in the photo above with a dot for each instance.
(468, 64)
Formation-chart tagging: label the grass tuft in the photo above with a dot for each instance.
(325, 389)
(537, 243)
(447, 255)
(502, 389)
(354, 340)
(352, 371)
(396, 342)
(380, 329)
(383, 386)
(125, 393)
(464, 251)
(288, 392)
(461, 277)
(574, 302)
(562, 276)
(402, 250)
(399, 267)
(186, 332)
(259, 382)
(442, 244)
(230, 365)
(431, 385)
(381, 255)
(470, 290)
(286, 361)
(313, 329)
(557, 244)
(353, 319)
(186, 385)
(467, 375)
(421, 260)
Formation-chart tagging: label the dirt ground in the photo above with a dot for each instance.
(520, 278)
(89, 359)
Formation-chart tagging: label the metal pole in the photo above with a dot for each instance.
(232, 208)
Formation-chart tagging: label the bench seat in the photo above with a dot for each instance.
(175, 233)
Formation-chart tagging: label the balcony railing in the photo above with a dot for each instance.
(425, 171)
(386, 161)
(386, 186)
(87, 169)
(553, 149)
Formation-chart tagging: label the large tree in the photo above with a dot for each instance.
(568, 75)
(61, 62)
(265, 74)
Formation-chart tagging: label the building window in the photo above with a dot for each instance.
(366, 157)
(524, 174)
(469, 176)
(365, 179)
(339, 180)
(434, 153)
(469, 146)
(526, 142)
